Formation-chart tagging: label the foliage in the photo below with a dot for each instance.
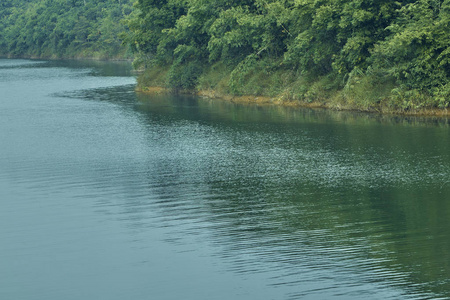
(417, 51)
(63, 28)
(369, 52)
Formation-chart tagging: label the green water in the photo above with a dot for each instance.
(107, 194)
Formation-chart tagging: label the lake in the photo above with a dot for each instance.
(110, 194)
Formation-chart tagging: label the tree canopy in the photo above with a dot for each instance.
(402, 46)
(62, 28)
(372, 50)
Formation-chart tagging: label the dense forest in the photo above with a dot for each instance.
(368, 55)
(63, 28)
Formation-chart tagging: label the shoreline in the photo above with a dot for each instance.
(279, 101)
(92, 58)
(259, 99)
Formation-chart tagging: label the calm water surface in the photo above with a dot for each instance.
(106, 194)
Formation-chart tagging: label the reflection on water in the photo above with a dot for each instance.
(109, 194)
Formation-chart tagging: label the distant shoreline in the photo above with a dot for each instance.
(93, 58)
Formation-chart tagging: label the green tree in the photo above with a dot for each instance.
(62, 28)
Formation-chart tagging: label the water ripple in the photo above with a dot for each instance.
(180, 198)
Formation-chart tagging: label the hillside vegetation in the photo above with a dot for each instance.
(368, 55)
(63, 28)
(375, 55)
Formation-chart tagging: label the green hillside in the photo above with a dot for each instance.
(368, 55)
(63, 28)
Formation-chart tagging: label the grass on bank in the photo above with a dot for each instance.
(369, 92)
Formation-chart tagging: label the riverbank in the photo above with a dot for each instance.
(373, 93)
